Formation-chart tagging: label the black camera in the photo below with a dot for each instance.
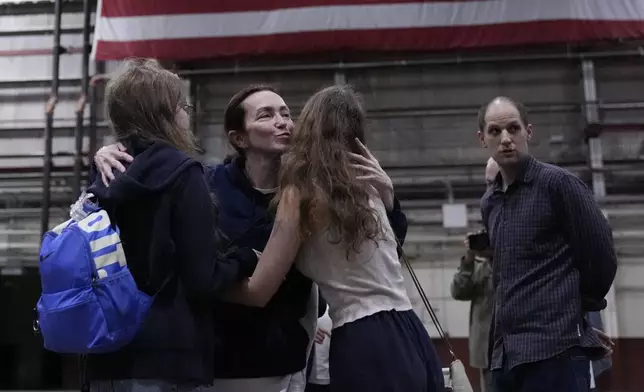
(479, 242)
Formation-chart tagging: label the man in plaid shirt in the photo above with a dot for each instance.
(553, 261)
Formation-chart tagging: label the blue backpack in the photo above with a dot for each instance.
(90, 302)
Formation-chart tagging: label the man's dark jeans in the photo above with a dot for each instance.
(566, 372)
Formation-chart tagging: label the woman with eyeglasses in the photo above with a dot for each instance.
(164, 211)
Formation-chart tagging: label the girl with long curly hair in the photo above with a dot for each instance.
(331, 223)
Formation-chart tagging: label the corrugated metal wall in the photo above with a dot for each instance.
(440, 138)
(426, 116)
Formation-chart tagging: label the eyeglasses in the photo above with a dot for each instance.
(190, 109)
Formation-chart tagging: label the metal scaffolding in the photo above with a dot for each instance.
(49, 119)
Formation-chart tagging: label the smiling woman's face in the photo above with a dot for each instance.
(268, 123)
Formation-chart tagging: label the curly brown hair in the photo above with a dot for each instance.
(318, 166)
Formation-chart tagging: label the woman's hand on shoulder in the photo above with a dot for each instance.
(370, 171)
(108, 158)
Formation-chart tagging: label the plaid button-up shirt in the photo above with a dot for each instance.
(554, 260)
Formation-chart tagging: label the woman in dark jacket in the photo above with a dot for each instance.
(164, 210)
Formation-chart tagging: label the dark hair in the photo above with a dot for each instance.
(141, 101)
(235, 114)
(523, 111)
(318, 166)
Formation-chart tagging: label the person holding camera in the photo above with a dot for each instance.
(473, 282)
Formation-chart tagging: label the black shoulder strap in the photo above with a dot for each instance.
(426, 302)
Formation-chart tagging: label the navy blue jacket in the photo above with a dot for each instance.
(261, 342)
(164, 211)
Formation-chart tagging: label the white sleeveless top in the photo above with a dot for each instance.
(369, 282)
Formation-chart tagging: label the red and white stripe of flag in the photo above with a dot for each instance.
(184, 30)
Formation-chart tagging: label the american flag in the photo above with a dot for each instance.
(195, 29)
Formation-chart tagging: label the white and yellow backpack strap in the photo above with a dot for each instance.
(105, 245)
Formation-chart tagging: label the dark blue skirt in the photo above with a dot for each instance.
(387, 351)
